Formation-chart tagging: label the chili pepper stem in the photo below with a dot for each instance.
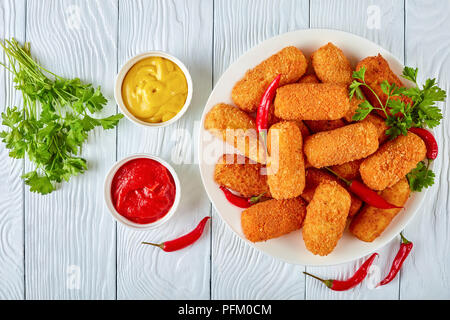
(328, 283)
(160, 245)
(404, 240)
(256, 199)
(343, 179)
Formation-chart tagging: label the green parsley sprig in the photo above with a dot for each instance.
(401, 115)
(53, 123)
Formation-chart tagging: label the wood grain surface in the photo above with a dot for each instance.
(12, 24)
(67, 246)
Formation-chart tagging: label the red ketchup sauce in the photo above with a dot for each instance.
(143, 190)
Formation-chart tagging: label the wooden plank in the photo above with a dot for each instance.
(70, 235)
(12, 17)
(183, 29)
(426, 273)
(361, 18)
(238, 270)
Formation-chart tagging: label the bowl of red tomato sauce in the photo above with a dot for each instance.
(142, 191)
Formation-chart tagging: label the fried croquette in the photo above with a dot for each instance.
(314, 177)
(324, 125)
(286, 166)
(331, 65)
(312, 101)
(377, 71)
(240, 174)
(237, 128)
(309, 78)
(289, 62)
(338, 146)
(272, 218)
(371, 221)
(392, 161)
(326, 217)
(348, 170)
(381, 126)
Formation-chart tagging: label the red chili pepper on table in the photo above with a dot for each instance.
(430, 141)
(365, 194)
(405, 248)
(357, 278)
(184, 241)
(262, 114)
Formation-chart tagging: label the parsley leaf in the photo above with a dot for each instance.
(362, 111)
(420, 177)
(53, 123)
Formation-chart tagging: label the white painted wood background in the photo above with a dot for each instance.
(45, 241)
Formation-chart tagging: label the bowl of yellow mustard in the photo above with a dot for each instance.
(153, 89)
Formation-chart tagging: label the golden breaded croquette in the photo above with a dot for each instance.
(240, 174)
(286, 166)
(272, 219)
(331, 65)
(381, 126)
(312, 101)
(392, 161)
(314, 177)
(354, 104)
(377, 71)
(348, 170)
(289, 62)
(371, 221)
(309, 78)
(237, 128)
(338, 146)
(326, 217)
(323, 125)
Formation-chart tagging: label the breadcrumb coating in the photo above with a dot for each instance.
(272, 219)
(331, 65)
(286, 166)
(236, 127)
(309, 78)
(348, 170)
(290, 62)
(392, 161)
(314, 177)
(312, 101)
(242, 175)
(371, 222)
(338, 146)
(326, 217)
(381, 126)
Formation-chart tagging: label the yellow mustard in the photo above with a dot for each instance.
(154, 89)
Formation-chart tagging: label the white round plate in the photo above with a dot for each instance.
(290, 248)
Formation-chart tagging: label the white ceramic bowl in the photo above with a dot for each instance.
(108, 200)
(123, 72)
(291, 248)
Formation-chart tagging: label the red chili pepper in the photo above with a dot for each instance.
(184, 241)
(430, 141)
(238, 201)
(357, 278)
(365, 194)
(262, 114)
(405, 248)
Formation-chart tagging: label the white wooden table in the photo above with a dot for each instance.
(67, 246)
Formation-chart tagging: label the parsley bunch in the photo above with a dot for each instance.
(404, 108)
(53, 122)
